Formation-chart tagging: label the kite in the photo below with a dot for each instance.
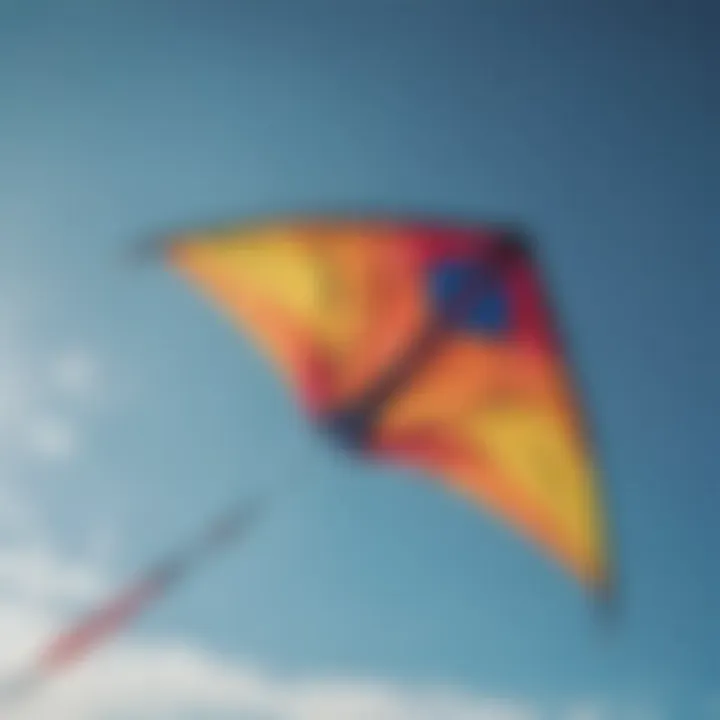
(420, 343)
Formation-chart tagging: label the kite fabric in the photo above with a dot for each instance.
(425, 344)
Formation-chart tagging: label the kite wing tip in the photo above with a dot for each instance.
(605, 595)
(149, 250)
(518, 239)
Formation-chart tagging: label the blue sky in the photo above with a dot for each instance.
(138, 413)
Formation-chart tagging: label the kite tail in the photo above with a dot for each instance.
(73, 645)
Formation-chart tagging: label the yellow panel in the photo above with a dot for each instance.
(497, 424)
(531, 449)
(337, 294)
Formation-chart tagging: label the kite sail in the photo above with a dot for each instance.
(425, 344)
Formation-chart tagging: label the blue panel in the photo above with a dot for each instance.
(488, 312)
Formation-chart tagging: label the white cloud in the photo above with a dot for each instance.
(76, 374)
(16, 515)
(172, 679)
(14, 390)
(42, 401)
(32, 572)
(50, 437)
(586, 711)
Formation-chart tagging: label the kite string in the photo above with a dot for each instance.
(86, 635)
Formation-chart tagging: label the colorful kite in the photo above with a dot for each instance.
(424, 344)
(413, 342)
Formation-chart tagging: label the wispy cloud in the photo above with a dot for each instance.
(43, 402)
(164, 680)
(31, 572)
(50, 437)
(585, 711)
(76, 373)
(173, 679)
